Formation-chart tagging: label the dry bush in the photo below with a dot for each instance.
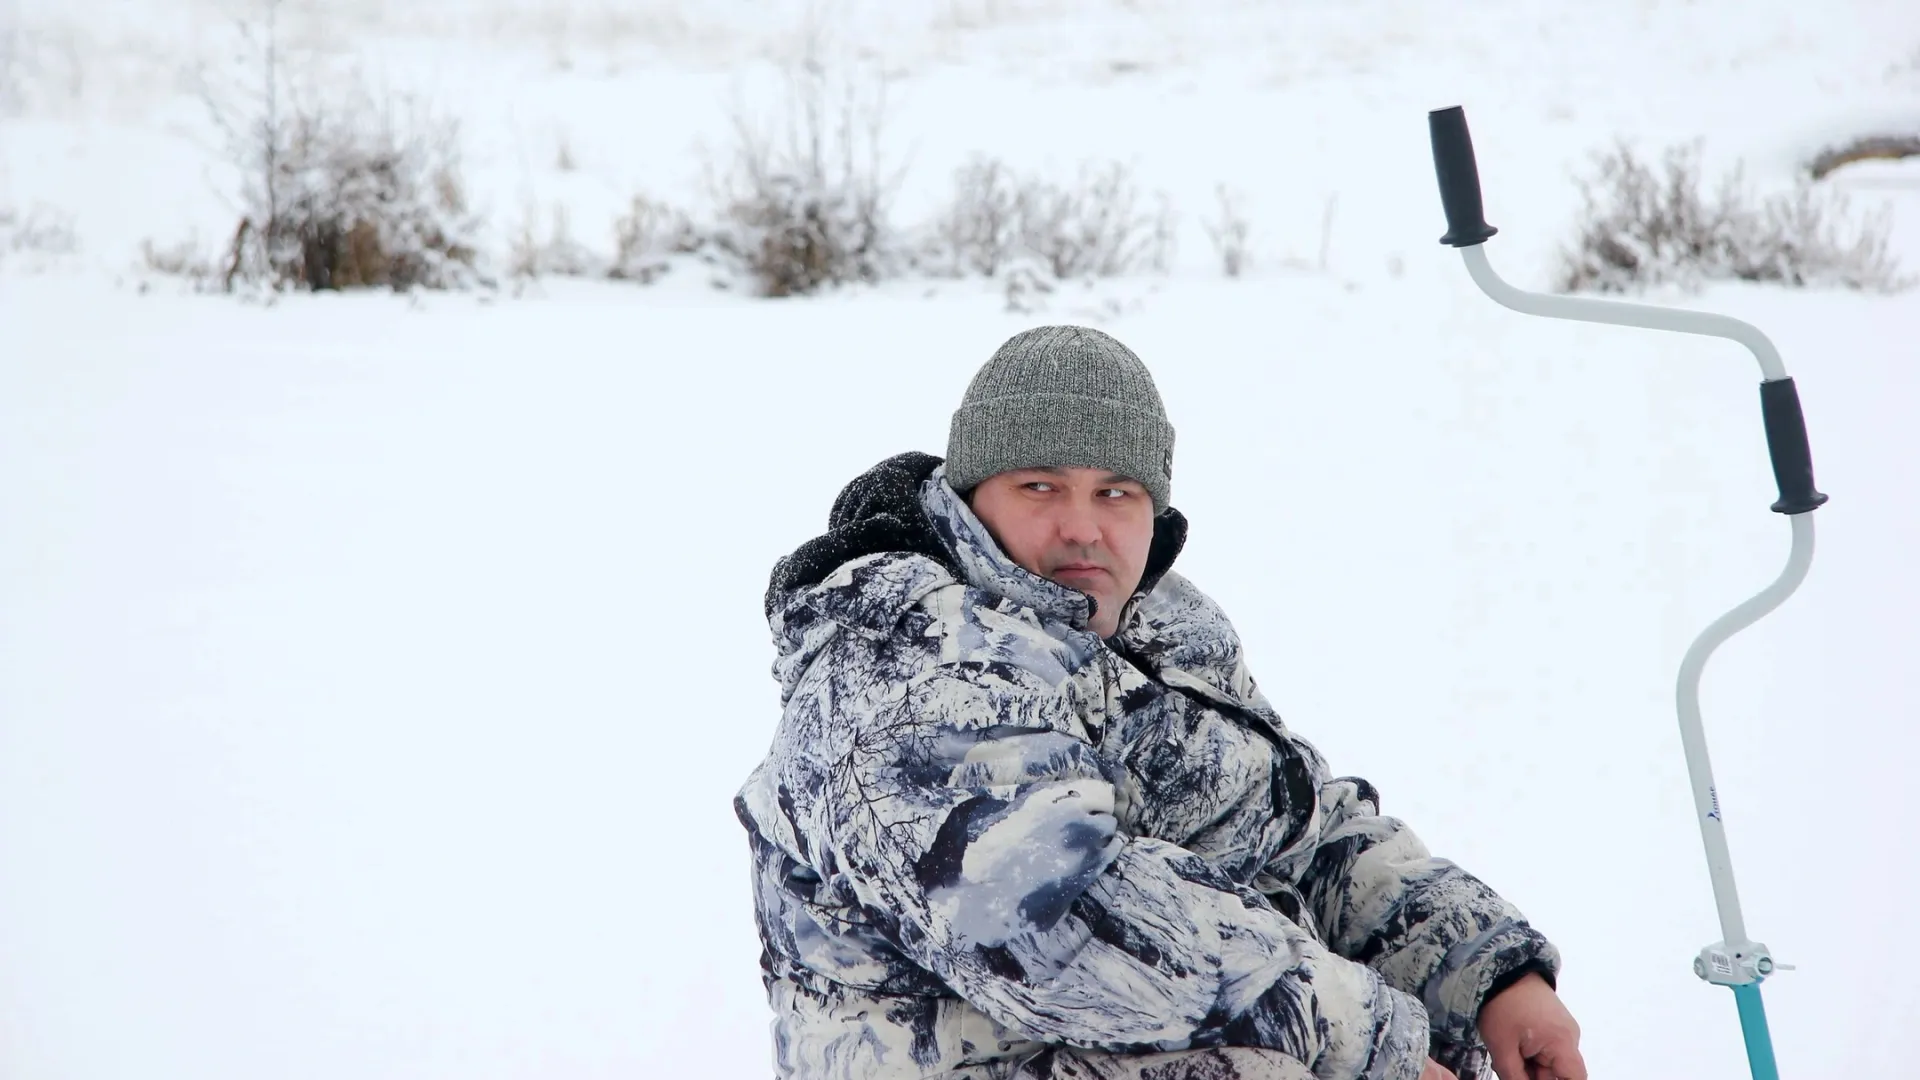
(1094, 229)
(1163, 235)
(351, 196)
(995, 222)
(647, 237)
(1230, 232)
(1026, 288)
(979, 230)
(804, 202)
(552, 251)
(1644, 228)
(186, 260)
(37, 239)
(338, 190)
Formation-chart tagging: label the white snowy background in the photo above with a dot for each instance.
(375, 674)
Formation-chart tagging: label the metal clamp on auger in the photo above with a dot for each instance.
(1724, 965)
(1744, 963)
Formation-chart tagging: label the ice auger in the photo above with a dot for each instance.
(1736, 960)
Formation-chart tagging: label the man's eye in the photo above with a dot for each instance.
(1116, 493)
(1038, 485)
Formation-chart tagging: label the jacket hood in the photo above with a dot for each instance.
(879, 511)
(904, 506)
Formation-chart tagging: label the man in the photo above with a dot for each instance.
(1027, 816)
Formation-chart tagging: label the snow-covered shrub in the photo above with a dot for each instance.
(1026, 288)
(552, 251)
(187, 260)
(1643, 228)
(1094, 228)
(36, 239)
(1230, 232)
(979, 230)
(647, 237)
(996, 221)
(340, 188)
(804, 202)
(352, 196)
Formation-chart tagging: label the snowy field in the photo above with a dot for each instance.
(376, 674)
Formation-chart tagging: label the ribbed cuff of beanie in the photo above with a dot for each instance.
(1061, 430)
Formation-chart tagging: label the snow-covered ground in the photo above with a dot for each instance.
(375, 674)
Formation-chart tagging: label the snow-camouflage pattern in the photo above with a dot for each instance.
(989, 845)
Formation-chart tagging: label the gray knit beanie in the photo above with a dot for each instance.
(1062, 396)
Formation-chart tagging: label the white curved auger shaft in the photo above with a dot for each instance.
(1747, 958)
(1736, 960)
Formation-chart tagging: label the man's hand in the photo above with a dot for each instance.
(1531, 1034)
(1436, 1071)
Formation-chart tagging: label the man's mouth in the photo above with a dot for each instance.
(1078, 572)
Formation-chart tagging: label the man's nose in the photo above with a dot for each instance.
(1078, 525)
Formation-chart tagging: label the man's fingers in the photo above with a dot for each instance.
(1569, 1065)
(1549, 1063)
(1557, 1058)
(1509, 1065)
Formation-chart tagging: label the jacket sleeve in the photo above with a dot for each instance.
(1423, 923)
(978, 830)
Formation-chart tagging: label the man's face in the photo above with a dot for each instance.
(1087, 529)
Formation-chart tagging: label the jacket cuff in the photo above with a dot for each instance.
(1507, 979)
(1471, 970)
(1470, 1060)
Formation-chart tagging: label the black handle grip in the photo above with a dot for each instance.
(1459, 178)
(1787, 444)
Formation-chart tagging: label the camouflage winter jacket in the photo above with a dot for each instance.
(983, 832)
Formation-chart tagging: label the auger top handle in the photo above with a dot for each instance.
(1467, 229)
(1735, 960)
